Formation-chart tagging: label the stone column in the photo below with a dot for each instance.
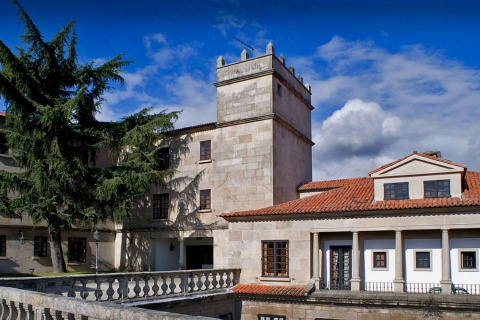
(181, 256)
(446, 282)
(398, 281)
(355, 281)
(315, 258)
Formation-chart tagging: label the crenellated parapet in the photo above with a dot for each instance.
(248, 67)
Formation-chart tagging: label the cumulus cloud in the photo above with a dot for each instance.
(358, 127)
(391, 104)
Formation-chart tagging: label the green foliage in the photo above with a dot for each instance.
(52, 101)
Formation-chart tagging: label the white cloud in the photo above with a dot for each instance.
(419, 100)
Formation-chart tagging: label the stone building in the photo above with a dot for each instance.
(411, 226)
(255, 155)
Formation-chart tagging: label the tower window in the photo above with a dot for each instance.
(205, 150)
(279, 90)
(205, 199)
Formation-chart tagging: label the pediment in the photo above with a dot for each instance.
(415, 165)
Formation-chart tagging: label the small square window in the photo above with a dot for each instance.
(3, 246)
(468, 260)
(436, 188)
(205, 200)
(39, 246)
(379, 260)
(396, 191)
(161, 203)
(422, 260)
(205, 150)
(162, 159)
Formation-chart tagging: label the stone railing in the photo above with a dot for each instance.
(22, 304)
(128, 286)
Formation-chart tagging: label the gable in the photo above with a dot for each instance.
(415, 165)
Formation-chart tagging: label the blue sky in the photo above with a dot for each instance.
(388, 77)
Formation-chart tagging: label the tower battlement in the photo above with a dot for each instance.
(258, 66)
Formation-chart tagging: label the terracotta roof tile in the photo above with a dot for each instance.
(2, 114)
(269, 290)
(418, 154)
(357, 195)
(327, 185)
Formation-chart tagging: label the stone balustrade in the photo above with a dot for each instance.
(23, 304)
(128, 286)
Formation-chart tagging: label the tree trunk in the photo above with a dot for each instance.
(58, 261)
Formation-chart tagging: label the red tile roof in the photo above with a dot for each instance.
(357, 195)
(418, 154)
(327, 185)
(2, 114)
(269, 290)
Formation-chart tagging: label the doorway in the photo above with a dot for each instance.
(340, 267)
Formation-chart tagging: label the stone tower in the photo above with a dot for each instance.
(269, 111)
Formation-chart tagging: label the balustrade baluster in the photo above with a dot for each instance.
(13, 312)
(98, 290)
(164, 285)
(172, 285)
(155, 286)
(137, 288)
(191, 283)
(200, 281)
(83, 290)
(3, 309)
(215, 282)
(71, 291)
(146, 287)
(110, 291)
(46, 314)
(221, 282)
(207, 281)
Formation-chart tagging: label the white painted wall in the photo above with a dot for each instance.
(326, 256)
(379, 275)
(463, 276)
(433, 275)
(166, 260)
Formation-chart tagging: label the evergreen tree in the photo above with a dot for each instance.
(55, 138)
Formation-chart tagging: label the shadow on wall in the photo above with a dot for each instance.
(137, 245)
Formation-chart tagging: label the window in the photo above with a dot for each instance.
(160, 206)
(3, 143)
(162, 159)
(205, 150)
(380, 260)
(436, 188)
(279, 90)
(205, 200)
(40, 246)
(275, 258)
(396, 191)
(3, 246)
(271, 317)
(77, 248)
(468, 260)
(422, 260)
